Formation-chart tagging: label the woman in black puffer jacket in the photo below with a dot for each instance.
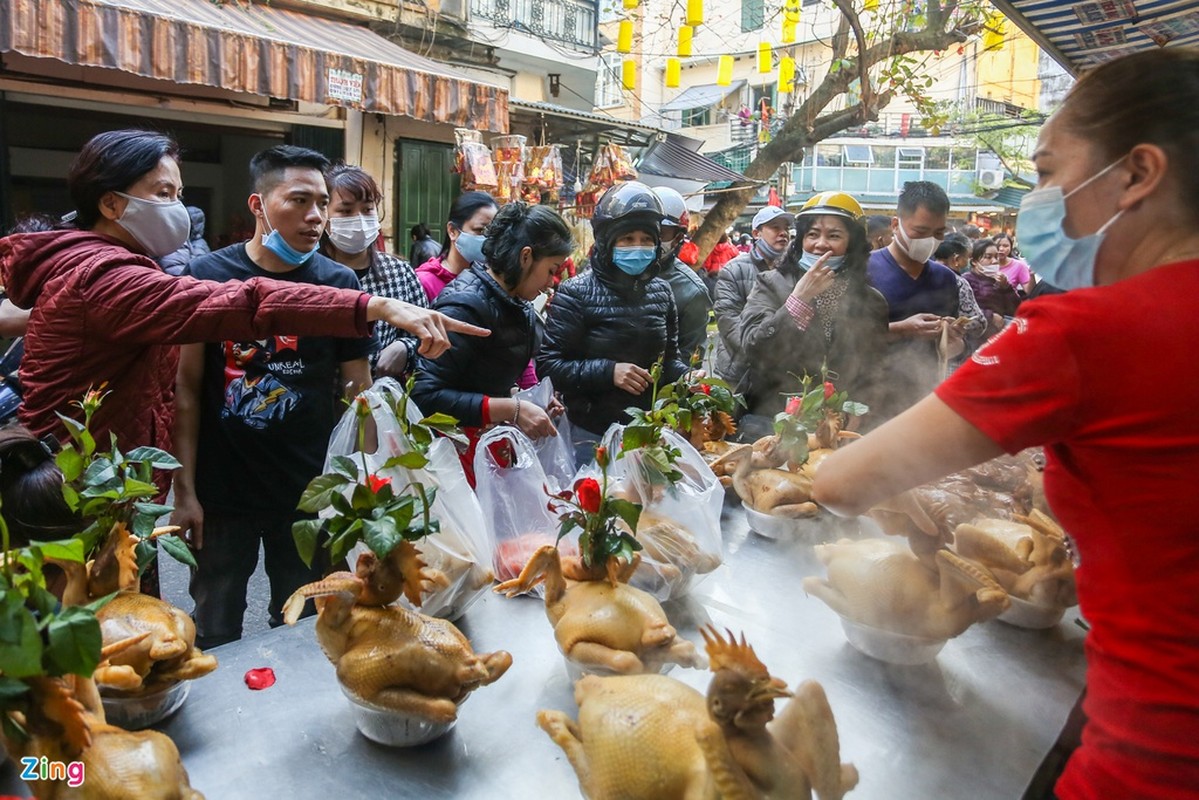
(473, 381)
(608, 326)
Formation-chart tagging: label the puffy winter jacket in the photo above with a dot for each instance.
(104, 314)
(693, 304)
(598, 319)
(734, 282)
(475, 367)
(777, 350)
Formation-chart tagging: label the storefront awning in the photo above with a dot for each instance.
(667, 158)
(1082, 34)
(708, 94)
(251, 48)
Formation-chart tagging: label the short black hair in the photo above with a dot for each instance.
(267, 166)
(876, 224)
(517, 226)
(980, 248)
(463, 208)
(954, 244)
(420, 230)
(923, 193)
(972, 231)
(113, 161)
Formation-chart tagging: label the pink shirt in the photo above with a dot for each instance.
(1017, 273)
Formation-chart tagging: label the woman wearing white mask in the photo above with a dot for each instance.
(1102, 377)
(991, 288)
(470, 215)
(350, 237)
(815, 309)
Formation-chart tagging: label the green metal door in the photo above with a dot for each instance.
(425, 189)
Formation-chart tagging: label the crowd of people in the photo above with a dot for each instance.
(236, 364)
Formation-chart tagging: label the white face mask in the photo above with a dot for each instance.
(352, 235)
(990, 270)
(160, 228)
(919, 250)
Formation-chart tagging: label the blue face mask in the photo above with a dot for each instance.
(633, 260)
(1061, 261)
(808, 260)
(274, 242)
(470, 246)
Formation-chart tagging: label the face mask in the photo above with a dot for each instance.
(767, 253)
(352, 235)
(160, 228)
(470, 246)
(990, 270)
(808, 260)
(1063, 262)
(633, 260)
(919, 250)
(274, 242)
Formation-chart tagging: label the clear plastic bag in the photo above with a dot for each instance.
(556, 453)
(679, 529)
(512, 491)
(461, 549)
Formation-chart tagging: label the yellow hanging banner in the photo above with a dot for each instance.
(791, 11)
(634, 3)
(695, 12)
(867, 5)
(674, 69)
(765, 64)
(685, 34)
(628, 74)
(624, 36)
(789, 32)
(786, 75)
(724, 71)
(994, 32)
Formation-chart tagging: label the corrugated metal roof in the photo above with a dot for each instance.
(1009, 196)
(702, 96)
(1084, 34)
(672, 160)
(556, 110)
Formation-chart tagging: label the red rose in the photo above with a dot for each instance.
(601, 456)
(705, 388)
(829, 390)
(793, 406)
(261, 678)
(376, 483)
(588, 492)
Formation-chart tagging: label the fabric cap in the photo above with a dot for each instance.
(769, 214)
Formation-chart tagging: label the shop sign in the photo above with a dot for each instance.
(345, 86)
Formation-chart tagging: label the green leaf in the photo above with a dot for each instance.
(159, 459)
(362, 497)
(409, 460)
(627, 511)
(154, 510)
(75, 642)
(638, 436)
(99, 472)
(305, 533)
(70, 496)
(177, 549)
(345, 466)
(317, 495)
(20, 641)
(70, 463)
(65, 550)
(855, 409)
(381, 536)
(438, 421)
(146, 553)
(135, 488)
(11, 690)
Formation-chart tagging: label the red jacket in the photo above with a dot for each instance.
(101, 313)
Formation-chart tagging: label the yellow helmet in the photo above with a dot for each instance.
(836, 203)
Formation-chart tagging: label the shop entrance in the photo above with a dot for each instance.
(425, 188)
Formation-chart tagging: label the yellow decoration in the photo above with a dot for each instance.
(674, 69)
(695, 12)
(685, 34)
(624, 37)
(994, 31)
(724, 71)
(634, 3)
(628, 74)
(867, 5)
(791, 11)
(789, 32)
(764, 62)
(786, 75)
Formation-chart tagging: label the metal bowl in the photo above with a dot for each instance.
(1024, 614)
(136, 711)
(393, 729)
(894, 648)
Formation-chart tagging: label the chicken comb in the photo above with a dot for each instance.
(731, 654)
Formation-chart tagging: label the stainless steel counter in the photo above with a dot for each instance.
(974, 724)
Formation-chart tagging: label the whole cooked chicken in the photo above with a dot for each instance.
(1027, 555)
(882, 584)
(603, 623)
(652, 737)
(771, 489)
(387, 655)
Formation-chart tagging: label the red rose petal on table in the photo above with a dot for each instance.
(261, 678)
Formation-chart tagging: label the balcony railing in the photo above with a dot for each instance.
(567, 21)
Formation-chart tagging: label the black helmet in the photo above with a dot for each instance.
(626, 207)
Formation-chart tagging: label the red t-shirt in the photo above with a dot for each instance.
(1106, 380)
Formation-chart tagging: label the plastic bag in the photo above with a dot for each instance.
(460, 550)
(611, 166)
(556, 453)
(472, 159)
(509, 166)
(543, 174)
(512, 491)
(679, 529)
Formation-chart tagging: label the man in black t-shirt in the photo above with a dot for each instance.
(254, 417)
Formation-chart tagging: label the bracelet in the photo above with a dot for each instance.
(516, 416)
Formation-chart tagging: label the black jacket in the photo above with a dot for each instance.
(777, 350)
(693, 304)
(456, 382)
(600, 318)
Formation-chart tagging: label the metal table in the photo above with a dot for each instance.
(976, 723)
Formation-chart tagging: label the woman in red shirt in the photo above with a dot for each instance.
(1102, 377)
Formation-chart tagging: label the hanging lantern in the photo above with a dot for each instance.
(624, 36)
(791, 11)
(786, 75)
(695, 12)
(628, 74)
(685, 34)
(867, 5)
(790, 30)
(724, 71)
(994, 32)
(764, 61)
(630, 4)
(674, 69)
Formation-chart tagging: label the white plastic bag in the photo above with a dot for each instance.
(460, 550)
(679, 529)
(511, 486)
(556, 453)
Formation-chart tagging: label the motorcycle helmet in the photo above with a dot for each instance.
(623, 208)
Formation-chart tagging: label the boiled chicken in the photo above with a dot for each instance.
(1027, 555)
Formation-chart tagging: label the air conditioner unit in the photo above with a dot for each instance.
(990, 178)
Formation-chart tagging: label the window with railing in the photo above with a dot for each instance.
(608, 89)
(753, 15)
(883, 169)
(572, 22)
(694, 117)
